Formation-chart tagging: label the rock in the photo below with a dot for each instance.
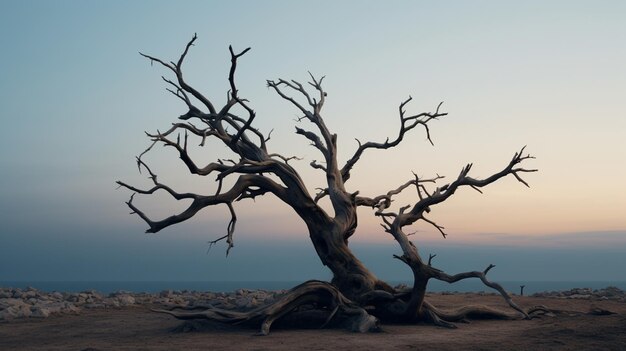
(70, 308)
(12, 302)
(40, 312)
(580, 291)
(209, 295)
(120, 292)
(111, 302)
(242, 291)
(5, 294)
(608, 293)
(246, 302)
(29, 294)
(92, 293)
(72, 298)
(7, 314)
(53, 307)
(126, 300)
(23, 312)
(143, 299)
(579, 296)
(611, 291)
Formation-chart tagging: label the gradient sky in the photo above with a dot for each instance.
(75, 98)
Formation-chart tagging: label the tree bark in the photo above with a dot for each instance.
(350, 275)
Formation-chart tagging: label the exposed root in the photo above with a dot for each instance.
(320, 294)
(465, 312)
(593, 311)
(332, 308)
(446, 318)
(535, 311)
(431, 315)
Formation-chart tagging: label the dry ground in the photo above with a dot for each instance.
(136, 328)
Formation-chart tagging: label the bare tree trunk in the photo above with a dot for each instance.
(350, 275)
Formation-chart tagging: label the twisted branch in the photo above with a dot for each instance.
(443, 193)
(441, 275)
(406, 124)
(177, 69)
(246, 186)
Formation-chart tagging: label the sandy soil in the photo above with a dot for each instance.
(136, 328)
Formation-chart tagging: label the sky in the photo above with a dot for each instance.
(76, 97)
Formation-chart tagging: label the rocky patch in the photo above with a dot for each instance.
(31, 303)
(609, 293)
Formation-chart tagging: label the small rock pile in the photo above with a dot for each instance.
(609, 293)
(31, 303)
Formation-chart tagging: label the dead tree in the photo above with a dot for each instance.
(354, 295)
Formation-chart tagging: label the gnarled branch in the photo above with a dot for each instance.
(406, 124)
(444, 192)
(246, 186)
(177, 69)
(441, 275)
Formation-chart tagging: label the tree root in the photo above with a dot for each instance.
(338, 311)
(446, 318)
(323, 295)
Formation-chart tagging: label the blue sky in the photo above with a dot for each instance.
(76, 98)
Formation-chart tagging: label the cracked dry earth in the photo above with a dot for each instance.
(137, 328)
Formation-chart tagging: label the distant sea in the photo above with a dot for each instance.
(226, 286)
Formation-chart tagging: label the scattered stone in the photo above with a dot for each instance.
(7, 314)
(246, 301)
(24, 313)
(16, 293)
(609, 293)
(125, 300)
(29, 294)
(11, 302)
(111, 302)
(580, 296)
(40, 312)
